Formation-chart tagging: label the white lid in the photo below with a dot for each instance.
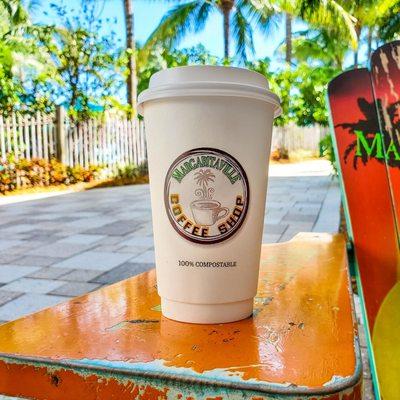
(205, 80)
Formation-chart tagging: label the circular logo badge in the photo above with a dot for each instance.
(206, 195)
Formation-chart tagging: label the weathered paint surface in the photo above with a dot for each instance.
(368, 198)
(114, 343)
(385, 72)
(63, 383)
(371, 181)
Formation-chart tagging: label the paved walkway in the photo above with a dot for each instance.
(53, 247)
(63, 246)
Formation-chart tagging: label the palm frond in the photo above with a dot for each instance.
(181, 19)
(330, 14)
(306, 5)
(389, 25)
(243, 34)
(262, 14)
(32, 6)
(202, 15)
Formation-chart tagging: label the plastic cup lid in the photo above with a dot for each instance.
(208, 81)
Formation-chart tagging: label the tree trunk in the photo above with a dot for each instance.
(131, 82)
(226, 12)
(369, 40)
(355, 64)
(288, 57)
(358, 31)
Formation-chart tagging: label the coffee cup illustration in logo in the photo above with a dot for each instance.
(206, 195)
(207, 212)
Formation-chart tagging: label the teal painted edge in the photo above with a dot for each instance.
(374, 373)
(155, 371)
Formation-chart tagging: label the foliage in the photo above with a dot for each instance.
(40, 173)
(71, 63)
(90, 66)
(389, 23)
(77, 64)
(327, 151)
(281, 82)
(143, 169)
(281, 153)
(130, 171)
(318, 47)
(22, 62)
(334, 15)
(302, 91)
(126, 175)
(159, 58)
(308, 102)
(23, 173)
(240, 19)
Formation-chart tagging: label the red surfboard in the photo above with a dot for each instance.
(385, 72)
(361, 156)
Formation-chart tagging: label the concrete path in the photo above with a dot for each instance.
(58, 247)
(53, 247)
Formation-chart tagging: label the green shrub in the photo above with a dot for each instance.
(132, 171)
(24, 173)
(128, 172)
(327, 151)
(280, 153)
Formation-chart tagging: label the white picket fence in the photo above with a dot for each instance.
(111, 142)
(114, 142)
(27, 136)
(294, 138)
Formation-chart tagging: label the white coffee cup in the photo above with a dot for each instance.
(209, 136)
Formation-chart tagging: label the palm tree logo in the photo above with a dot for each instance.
(203, 178)
(205, 210)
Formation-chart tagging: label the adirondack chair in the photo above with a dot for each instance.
(364, 107)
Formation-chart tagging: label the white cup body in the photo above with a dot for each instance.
(208, 282)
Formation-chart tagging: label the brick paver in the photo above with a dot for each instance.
(58, 247)
(61, 246)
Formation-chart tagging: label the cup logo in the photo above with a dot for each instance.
(206, 195)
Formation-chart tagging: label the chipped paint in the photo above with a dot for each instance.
(118, 333)
(79, 382)
(125, 324)
(218, 376)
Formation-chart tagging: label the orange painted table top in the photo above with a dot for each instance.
(115, 344)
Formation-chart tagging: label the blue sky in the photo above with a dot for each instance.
(148, 14)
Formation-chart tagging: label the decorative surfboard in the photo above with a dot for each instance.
(385, 74)
(368, 203)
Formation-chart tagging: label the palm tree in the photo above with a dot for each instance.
(368, 13)
(388, 26)
(361, 14)
(288, 38)
(15, 12)
(24, 62)
(325, 14)
(321, 46)
(131, 82)
(239, 19)
(203, 178)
